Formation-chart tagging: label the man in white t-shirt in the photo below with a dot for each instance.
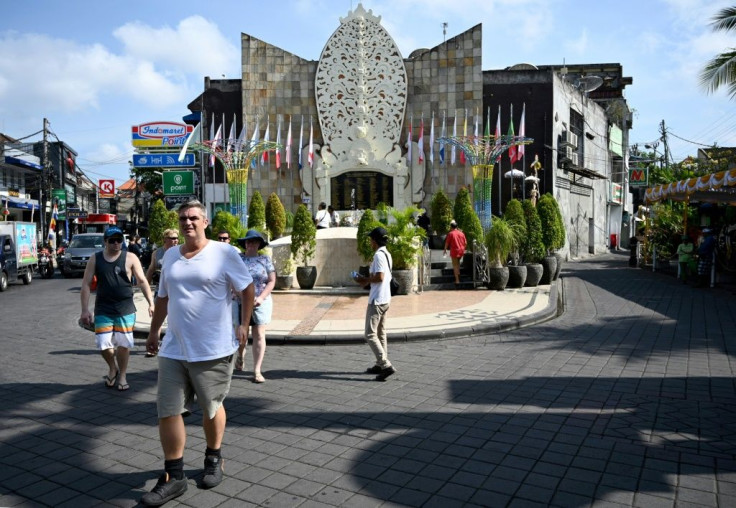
(379, 301)
(322, 217)
(197, 355)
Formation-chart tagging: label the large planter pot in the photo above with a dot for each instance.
(549, 266)
(405, 279)
(498, 278)
(534, 273)
(437, 241)
(560, 260)
(284, 281)
(306, 276)
(517, 276)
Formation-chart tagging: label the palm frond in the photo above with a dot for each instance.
(725, 19)
(721, 71)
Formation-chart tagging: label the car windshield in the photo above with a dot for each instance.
(86, 242)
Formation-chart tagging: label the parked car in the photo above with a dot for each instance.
(81, 248)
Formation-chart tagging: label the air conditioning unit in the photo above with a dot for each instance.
(566, 154)
(574, 159)
(569, 139)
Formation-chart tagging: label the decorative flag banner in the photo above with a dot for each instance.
(520, 149)
(431, 141)
(475, 130)
(278, 142)
(54, 219)
(301, 142)
(241, 138)
(254, 141)
(443, 135)
(420, 141)
(266, 138)
(408, 141)
(212, 138)
(231, 138)
(512, 148)
(288, 145)
(454, 135)
(465, 134)
(310, 155)
(498, 132)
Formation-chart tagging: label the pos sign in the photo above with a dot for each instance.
(107, 188)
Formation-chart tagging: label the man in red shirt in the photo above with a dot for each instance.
(456, 242)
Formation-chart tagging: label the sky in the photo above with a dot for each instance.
(94, 69)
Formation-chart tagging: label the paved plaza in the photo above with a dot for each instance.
(626, 399)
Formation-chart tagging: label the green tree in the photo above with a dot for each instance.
(275, 216)
(532, 248)
(257, 213)
(303, 236)
(466, 218)
(160, 220)
(441, 213)
(721, 70)
(514, 215)
(547, 210)
(226, 221)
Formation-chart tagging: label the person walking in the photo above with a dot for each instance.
(197, 355)
(706, 249)
(171, 238)
(684, 256)
(456, 242)
(262, 271)
(379, 301)
(114, 316)
(322, 217)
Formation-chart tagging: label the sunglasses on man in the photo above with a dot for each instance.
(223, 238)
(115, 239)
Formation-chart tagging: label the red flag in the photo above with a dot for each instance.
(278, 142)
(498, 132)
(310, 154)
(512, 148)
(522, 129)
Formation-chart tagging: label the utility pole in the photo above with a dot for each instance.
(44, 187)
(663, 131)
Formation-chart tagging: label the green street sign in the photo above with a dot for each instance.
(58, 196)
(178, 182)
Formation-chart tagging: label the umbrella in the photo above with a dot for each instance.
(531, 179)
(514, 173)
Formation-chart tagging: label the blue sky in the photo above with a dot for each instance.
(94, 69)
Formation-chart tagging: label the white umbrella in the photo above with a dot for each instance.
(531, 179)
(514, 173)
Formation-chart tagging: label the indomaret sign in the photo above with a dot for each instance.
(160, 134)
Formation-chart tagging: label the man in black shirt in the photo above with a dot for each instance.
(114, 315)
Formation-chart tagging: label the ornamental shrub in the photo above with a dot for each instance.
(303, 236)
(441, 214)
(257, 213)
(275, 216)
(466, 218)
(532, 248)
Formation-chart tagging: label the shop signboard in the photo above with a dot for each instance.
(160, 134)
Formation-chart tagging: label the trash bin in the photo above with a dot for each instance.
(614, 241)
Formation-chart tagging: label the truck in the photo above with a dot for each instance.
(18, 252)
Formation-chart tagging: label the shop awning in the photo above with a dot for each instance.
(22, 162)
(714, 188)
(23, 204)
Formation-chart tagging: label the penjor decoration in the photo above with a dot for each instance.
(236, 158)
(482, 152)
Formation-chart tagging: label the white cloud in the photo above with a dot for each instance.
(195, 46)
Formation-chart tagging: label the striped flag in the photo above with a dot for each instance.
(431, 141)
(231, 138)
(216, 145)
(278, 142)
(266, 138)
(498, 131)
(512, 148)
(52, 223)
(288, 145)
(194, 136)
(310, 155)
(212, 138)
(301, 142)
(443, 133)
(254, 142)
(454, 135)
(408, 141)
(522, 129)
(465, 134)
(420, 141)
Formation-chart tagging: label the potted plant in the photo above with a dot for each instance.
(440, 218)
(257, 213)
(532, 248)
(404, 244)
(514, 215)
(469, 223)
(275, 216)
(365, 225)
(561, 236)
(547, 210)
(285, 275)
(501, 239)
(303, 245)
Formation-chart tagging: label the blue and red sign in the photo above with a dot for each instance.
(160, 134)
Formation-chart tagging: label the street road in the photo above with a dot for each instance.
(628, 399)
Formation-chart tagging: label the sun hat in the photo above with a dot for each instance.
(112, 231)
(252, 234)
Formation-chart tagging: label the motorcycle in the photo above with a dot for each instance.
(46, 263)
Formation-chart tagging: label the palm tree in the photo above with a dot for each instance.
(721, 71)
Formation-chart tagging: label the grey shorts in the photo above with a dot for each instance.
(179, 381)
